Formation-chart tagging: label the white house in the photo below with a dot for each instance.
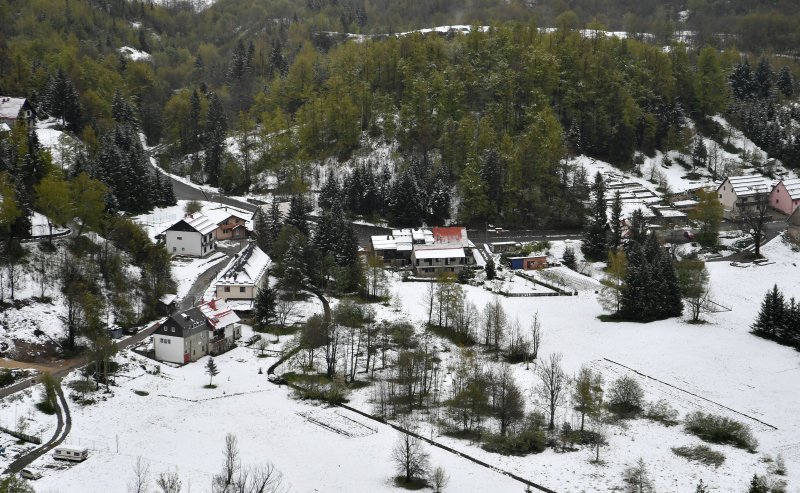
(211, 328)
(395, 249)
(13, 109)
(740, 192)
(182, 338)
(193, 236)
(244, 275)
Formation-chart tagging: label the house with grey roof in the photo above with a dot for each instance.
(239, 282)
(210, 328)
(738, 193)
(193, 236)
(13, 109)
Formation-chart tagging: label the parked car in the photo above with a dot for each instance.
(30, 474)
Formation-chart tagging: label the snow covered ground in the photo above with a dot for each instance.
(718, 367)
(179, 426)
(134, 54)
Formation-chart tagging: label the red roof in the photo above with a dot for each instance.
(447, 235)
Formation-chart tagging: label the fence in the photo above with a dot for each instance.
(22, 436)
(559, 291)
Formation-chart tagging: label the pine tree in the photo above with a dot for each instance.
(264, 305)
(762, 78)
(569, 260)
(594, 244)
(293, 266)
(615, 236)
(329, 192)
(701, 487)
(772, 314)
(406, 200)
(261, 231)
(757, 485)
(474, 196)
(61, 100)
(741, 81)
(785, 82)
(439, 203)
(490, 269)
(216, 131)
(299, 211)
(211, 370)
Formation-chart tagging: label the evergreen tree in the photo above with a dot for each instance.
(261, 231)
(741, 81)
(122, 110)
(299, 211)
(215, 133)
(785, 82)
(638, 227)
(615, 236)
(569, 259)
(439, 203)
(490, 269)
(406, 200)
(701, 487)
(772, 314)
(757, 485)
(264, 306)
(762, 78)
(651, 290)
(211, 370)
(167, 191)
(474, 193)
(329, 192)
(293, 266)
(699, 154)
(594, 243)
(61, 100)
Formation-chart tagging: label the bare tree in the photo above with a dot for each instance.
(599, 431)
(283, 310)
(169, 482)
(507, 401)
(753, 217)
(429, 300)
(552, 389)
(409, 456)
(439, 478)
(494, 323)
(536, 336)
(223, 481)
(140, 482)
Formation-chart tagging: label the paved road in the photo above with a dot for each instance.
(72, 364)
(62, 430)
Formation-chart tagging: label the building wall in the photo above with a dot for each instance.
(225, 230)
(780, 200)
(727, 197)
(196, 346)
(168, 348)
(190, 243)
(235, 292)
(423, 268)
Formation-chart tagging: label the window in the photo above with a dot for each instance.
(241, 289)
(180, 237)
(227, 289)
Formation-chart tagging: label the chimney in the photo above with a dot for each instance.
(213, 303)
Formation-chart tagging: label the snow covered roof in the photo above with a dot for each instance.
(248, 267)
(793, 187)
(747, 185)
(689, 203)
(402, 239)
(10, 107)
(218, 313)
(4, 127)
(167, 299)
(198, 222)
(184, 324)
(431, 253)
(134, 54)
(219, 214)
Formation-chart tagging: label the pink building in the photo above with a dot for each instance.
(785, 196)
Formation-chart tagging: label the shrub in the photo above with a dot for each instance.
(530, 439)
(701, 453)
(719, 429)
(625, 397)
(662, 412)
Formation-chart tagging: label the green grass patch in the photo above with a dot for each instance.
(700, 453)
(209, 386)
(141, 392)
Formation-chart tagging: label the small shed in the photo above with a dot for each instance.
(168, 303)
(531, 262)
(503, 246)
(114, 331)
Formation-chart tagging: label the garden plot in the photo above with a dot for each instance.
(568, 279)
(337, 422)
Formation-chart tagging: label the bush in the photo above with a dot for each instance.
(701, 453)
(464, 275)
(662, 412)
(625, 397)
(530, 439)
(719, 429)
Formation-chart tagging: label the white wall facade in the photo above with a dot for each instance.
(169, 348)
(190, 243)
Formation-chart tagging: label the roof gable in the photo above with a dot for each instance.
(747, 185)
(11, 107)
(194, 222)
(248, 267)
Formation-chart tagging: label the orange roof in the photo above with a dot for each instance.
(447, 235)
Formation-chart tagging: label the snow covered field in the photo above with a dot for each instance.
(180, 427)
(716, 367)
